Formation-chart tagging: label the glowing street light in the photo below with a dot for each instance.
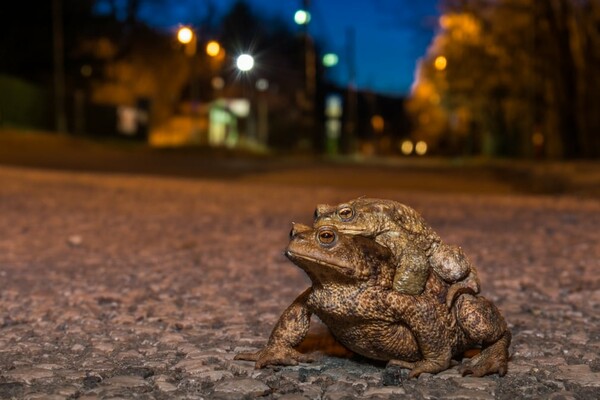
(185, 35)
(378, 123)
(407, 147)
(189, 39)
(421, 148)
(302, 17)
(245, 62)
(213, 48)
(440, 63)
(330, 60)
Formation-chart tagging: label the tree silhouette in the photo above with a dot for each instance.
(519, 79)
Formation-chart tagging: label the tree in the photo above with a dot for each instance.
(144, 71)
(26, 36)
(518, 78)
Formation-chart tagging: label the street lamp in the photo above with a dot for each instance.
(244, 62)
(187, 37)
(421, 148)
(302, 17)
(213, 48)
(440, 63)
(330, 60)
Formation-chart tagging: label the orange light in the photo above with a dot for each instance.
(377, 123)
(213, 48)
(185, 35)
(440, 63)
(407, 147)
(421, 148)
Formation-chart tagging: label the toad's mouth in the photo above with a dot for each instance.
(342, 227)
(294, 256)
(352, 231)
(348, 230)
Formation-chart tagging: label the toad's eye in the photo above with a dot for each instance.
(326, 236)
(346, 213)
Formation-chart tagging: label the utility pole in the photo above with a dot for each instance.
(351, 95)
(60, 115)
(310, 78)
(310, 67)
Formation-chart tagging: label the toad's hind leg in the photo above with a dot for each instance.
(492, 359)
(484, 325)
(430, 365)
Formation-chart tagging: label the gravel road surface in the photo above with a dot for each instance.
(123, 286)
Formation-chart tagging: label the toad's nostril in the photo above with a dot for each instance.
(293, 231)
(316, 215)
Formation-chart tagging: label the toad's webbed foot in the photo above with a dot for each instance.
(422, 366)
(401, 364)
(493, 359)
(275, 355)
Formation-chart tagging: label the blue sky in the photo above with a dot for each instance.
(390, 34)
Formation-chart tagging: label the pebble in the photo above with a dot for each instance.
(126, 381)
(385, 391)
(163, 384)
(214, 376)
(193, 366)
(483, 383)
(466, 395)
(44, 396)
(75, 240)
(242, 387)
(580, 374)
(28, 375)
(292, 396)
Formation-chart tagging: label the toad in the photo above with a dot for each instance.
(416, 248)
(352, 278)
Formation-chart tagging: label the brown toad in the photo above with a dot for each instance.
(352, 294)
(417, 249)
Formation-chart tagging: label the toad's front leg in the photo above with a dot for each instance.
(289, 331)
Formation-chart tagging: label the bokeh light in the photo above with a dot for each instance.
(406, 147)
(185, 35)
(330, 59)
(217, 83)
(302, 17)
(245, 62)
(440, 63)
(421, 148)
(213, 48)
(377, 123)
(262, 84)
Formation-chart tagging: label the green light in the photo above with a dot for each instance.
(330, 59)
(302, 17)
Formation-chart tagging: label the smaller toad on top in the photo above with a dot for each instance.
(416, 248)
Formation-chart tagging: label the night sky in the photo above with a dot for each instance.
(390, 34)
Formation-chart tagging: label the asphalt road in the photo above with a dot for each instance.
(459, 175)
(130, 286)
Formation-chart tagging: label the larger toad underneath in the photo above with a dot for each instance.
(351, 292)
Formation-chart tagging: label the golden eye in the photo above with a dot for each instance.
(346, 213)
(326, 236)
